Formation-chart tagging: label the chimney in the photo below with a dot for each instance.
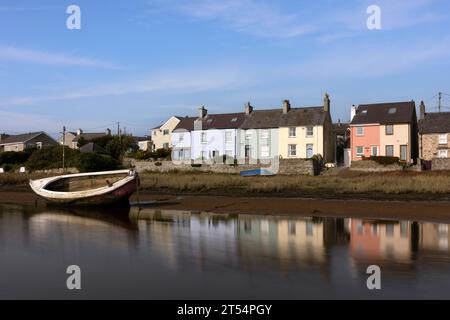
(352, 112)
(202, 112)
(248, 109)
(286, 106)
(108, 132)
(422, 110)
(79, 132)
(326, 102)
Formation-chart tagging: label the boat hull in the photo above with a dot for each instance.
(117, 193)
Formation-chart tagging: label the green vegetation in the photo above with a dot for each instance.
(11, 160)
(327, 186)
(383, 160)
(165, 154)
(116, 146)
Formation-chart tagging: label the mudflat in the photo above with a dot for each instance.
(379, 209)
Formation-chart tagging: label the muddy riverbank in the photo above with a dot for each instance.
(374, 209)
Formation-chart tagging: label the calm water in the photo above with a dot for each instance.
(159, 254)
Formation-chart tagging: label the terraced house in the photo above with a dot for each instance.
(384, 129)
(434, 134)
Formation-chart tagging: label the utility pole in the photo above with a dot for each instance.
(440, 101)
(64, 149)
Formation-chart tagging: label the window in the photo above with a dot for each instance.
(292, 228)
(309, 151)
(359, 131)
(264, 151)
(203, 155)
(181, 138)
(166, 146)
(203, 137)
(248, 151)
(389, 151)
(166, 132)
(389, 130)
(403, 152)
(443, 139)
(181, 154)
(390, 230)
(234, 119)
(39, 145)
(392, 110)
(292, 132)
(443, 153)
(264, 134)
(292, 150)
(363, 112)
(229, 153)
(215, 153)
(374, 151)
(248, 134)
(309, 228)
(228, 137)
(359, 151)
(309, 131)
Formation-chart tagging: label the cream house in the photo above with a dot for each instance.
(162, 135)
(305, 132)
(28, 140)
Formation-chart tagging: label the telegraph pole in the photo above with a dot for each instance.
(64, 148)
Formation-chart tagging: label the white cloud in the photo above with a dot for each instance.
(10, 53)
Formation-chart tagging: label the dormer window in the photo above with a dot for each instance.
(234, 119)
(363, 112)
(392, 110)
(209, 120)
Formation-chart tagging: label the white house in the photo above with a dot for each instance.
(207, 137)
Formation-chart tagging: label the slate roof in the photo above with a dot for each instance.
(20, 138)
(275, 118)
(379, 113)
(212, 121)
(435, 122)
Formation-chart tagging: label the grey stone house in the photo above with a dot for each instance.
(28, 140)
(434, 134)
(71, 139)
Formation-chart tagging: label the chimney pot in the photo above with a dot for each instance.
(326, 102)
(202, 112)
(79, 132)
(422, 110)
(248, 108)
(286, 106)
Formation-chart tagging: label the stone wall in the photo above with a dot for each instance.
(58, 171)
(286, 167)
(372, 166)
(440, 164)
(429, 145)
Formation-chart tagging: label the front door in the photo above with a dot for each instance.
(403, 152)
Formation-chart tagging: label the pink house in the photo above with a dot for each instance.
(384, 129)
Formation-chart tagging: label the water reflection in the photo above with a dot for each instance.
(179, 254)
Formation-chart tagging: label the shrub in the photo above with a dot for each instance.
(383, 160)
(51, 158)
(158, 164)
(89, 162)
(12, 157)
(162, 154)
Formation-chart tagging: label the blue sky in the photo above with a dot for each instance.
(141, 61)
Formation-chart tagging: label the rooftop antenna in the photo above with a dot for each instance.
(440, 101)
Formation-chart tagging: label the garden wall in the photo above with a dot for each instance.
(372, 166)
(440, 164)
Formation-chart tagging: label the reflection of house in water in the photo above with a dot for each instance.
(434, 237)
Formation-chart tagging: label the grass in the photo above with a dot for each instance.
(346, 183)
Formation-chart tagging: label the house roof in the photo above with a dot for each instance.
(89, 136)
(186, 123)
(385, 113)
(435, 122)
(20, 138)
(221, 121)
(140, 139)
(274, 118)
(93, 147)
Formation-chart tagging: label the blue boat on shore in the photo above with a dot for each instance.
(256, 172)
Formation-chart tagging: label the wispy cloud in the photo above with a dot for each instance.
(259, 18)
(170, 82)
(11, 53)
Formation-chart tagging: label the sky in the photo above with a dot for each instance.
(139, 62)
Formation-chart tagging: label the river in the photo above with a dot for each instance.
(156, 253)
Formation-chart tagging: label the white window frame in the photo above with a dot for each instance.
(443, 139)
(443, 154)
(292, 132)
(39, 145)
(228, 137)
(181, 137)
(265, 151)
(264, 134)
(358, 134)
(359, 154)
(203, 138)
(290, 153)
(309, 132)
